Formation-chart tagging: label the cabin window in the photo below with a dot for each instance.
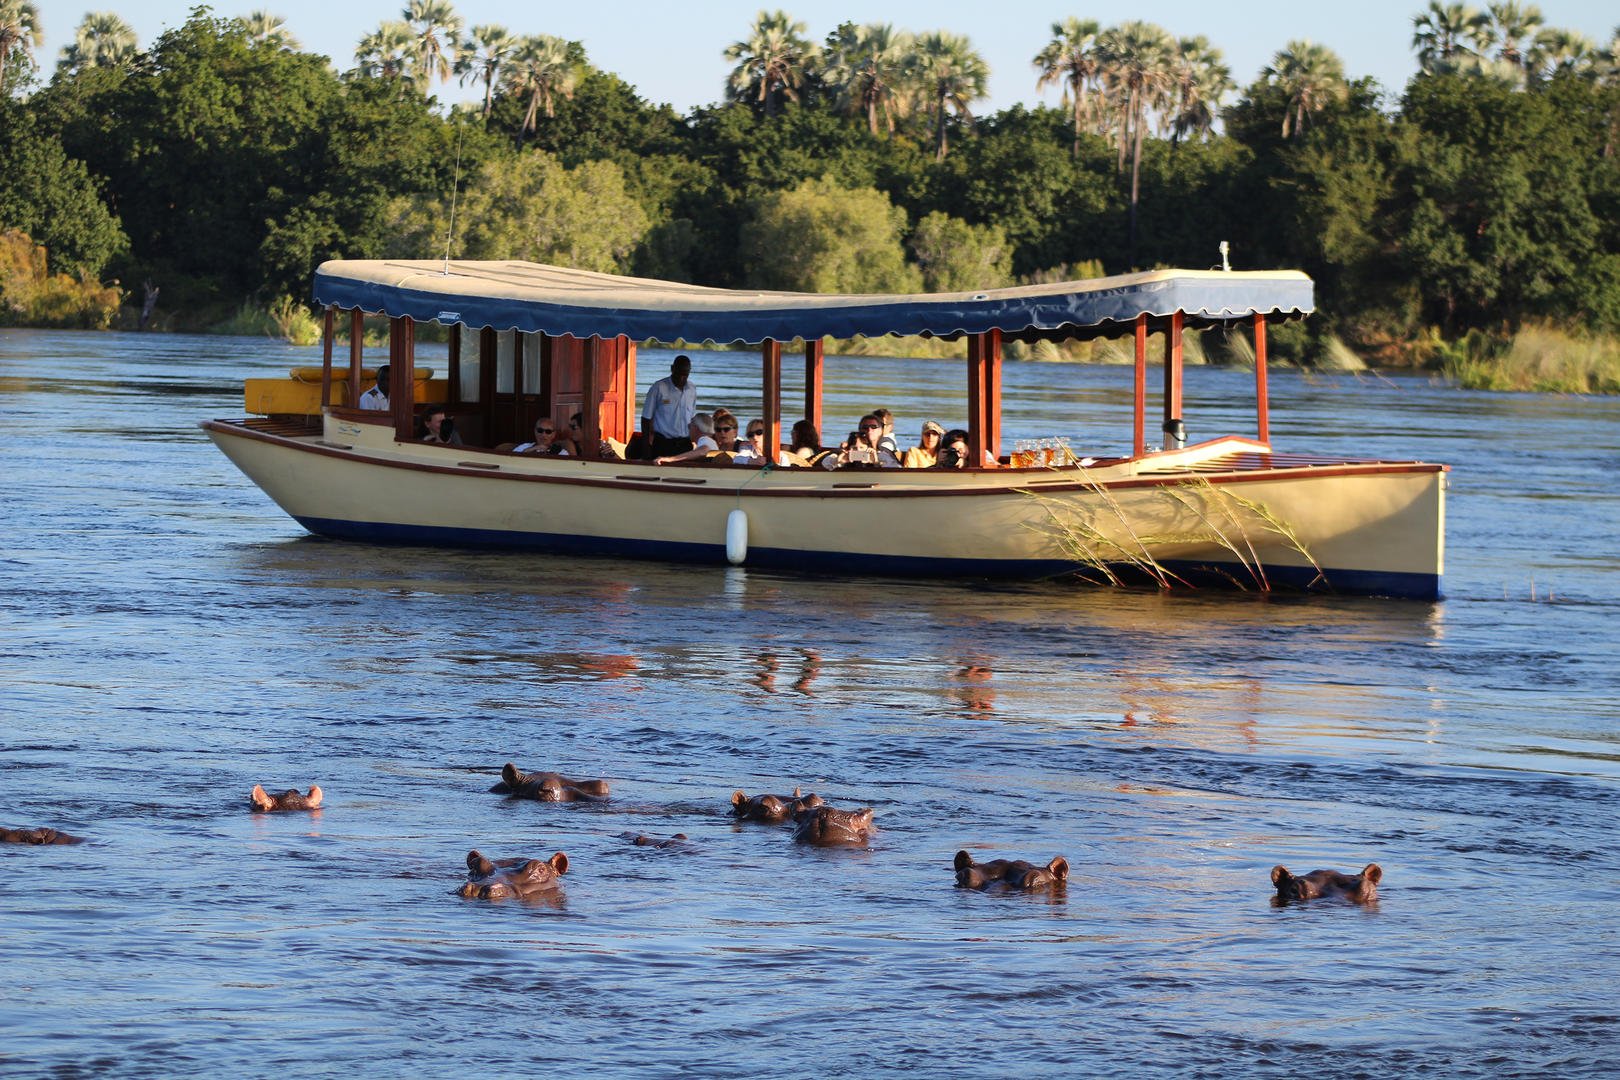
(470, 366)
(532, 346)
(505, 343)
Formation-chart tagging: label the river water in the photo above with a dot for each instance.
(171, 638)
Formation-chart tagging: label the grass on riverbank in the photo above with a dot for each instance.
(1540, 357)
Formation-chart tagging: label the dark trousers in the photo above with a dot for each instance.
(664, 446)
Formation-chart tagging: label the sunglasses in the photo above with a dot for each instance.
(545, 431)
(755, 431)
(871, 427)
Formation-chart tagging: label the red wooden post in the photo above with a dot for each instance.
(992, 394)
(452, 375)
(591, 401)
(975, 365)
(1139, 440)
(772, 394)
(1172, 370)
(357, 344)
(627, 396)
(489, 347)
(1262, 403)
(814, 353)
(402, 379)
(326, 357)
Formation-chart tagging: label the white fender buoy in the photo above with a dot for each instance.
(736, 537)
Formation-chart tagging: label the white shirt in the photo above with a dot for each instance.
(375, 398)
(670, 407)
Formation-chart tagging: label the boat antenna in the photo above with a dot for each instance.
(455, 188)
(1225, 250)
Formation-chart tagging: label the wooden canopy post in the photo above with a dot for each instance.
(626, 424)
(452, 372)
(590, 402)
(976, 425)
(1172, 372)
(402, 376)
(814, 354)
(357, 345)
(992, 392)
(489, 347)
(1139, 435)
(326, 358)
(1262, 403)
(771, 392)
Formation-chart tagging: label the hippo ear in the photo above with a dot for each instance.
(1279, 875)
(1373, 873)
(1059, 868)
(559, 863)
(963, 860)
(478, 865)
(511, 776)
(738, 798)
(864, 815)
(795, 791)
(260, 800)
(314, 796)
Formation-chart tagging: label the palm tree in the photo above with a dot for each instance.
(482, 54)
(1199, 79)
(268, 30)
(1137, 67)
(771, 61)
(1071, 59)
(867, 66)
(386, 52)
(1512, 28)
(541, 68)
(1311, 76)
(1558, 50)
(951, 76)
(1447, 36)
(20, 32)
(101, 40)
(434, 25)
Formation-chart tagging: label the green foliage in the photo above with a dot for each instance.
(30, 295)
(1539, 357)
(528, 207)
(53, 197)
(955, 256)
(821, 237)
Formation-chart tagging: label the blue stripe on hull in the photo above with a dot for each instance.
(1364, 582)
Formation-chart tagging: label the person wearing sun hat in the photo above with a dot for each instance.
(925, 455)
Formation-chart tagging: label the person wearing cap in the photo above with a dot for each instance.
(925, 455)
(377, 396)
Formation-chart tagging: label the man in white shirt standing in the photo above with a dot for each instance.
(667, 415)
(377, 396)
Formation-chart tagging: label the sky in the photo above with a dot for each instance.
(671, 52)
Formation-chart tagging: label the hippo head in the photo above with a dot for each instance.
(488, 879)
(1010, 874)
(548, 786)
(291, 799)
(1359, 888)
(824, 826)
(773, 808)
(39, 836)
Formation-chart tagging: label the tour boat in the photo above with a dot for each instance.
(528, 341)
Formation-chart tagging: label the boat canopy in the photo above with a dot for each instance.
(555, 300)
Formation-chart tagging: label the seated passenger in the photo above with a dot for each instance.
(886, 436)
(440, 428)
(545, 441)
(869, 444)
(725, 429)
(703, 444)
(751, 450)
(574, 437)
(804, 445)
(953, 454)
(926, 454)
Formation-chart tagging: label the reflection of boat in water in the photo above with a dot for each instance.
(530, 341)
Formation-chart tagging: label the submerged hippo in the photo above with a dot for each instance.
(1010, 874)
(40, 835)
(548, 786)
(773, 808)
(643, 840)
(1359, 888)
(498, 879)
(292, 799)
(825, 826)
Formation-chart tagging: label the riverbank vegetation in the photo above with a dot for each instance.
(1476, 207)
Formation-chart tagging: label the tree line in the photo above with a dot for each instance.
(224, 162)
